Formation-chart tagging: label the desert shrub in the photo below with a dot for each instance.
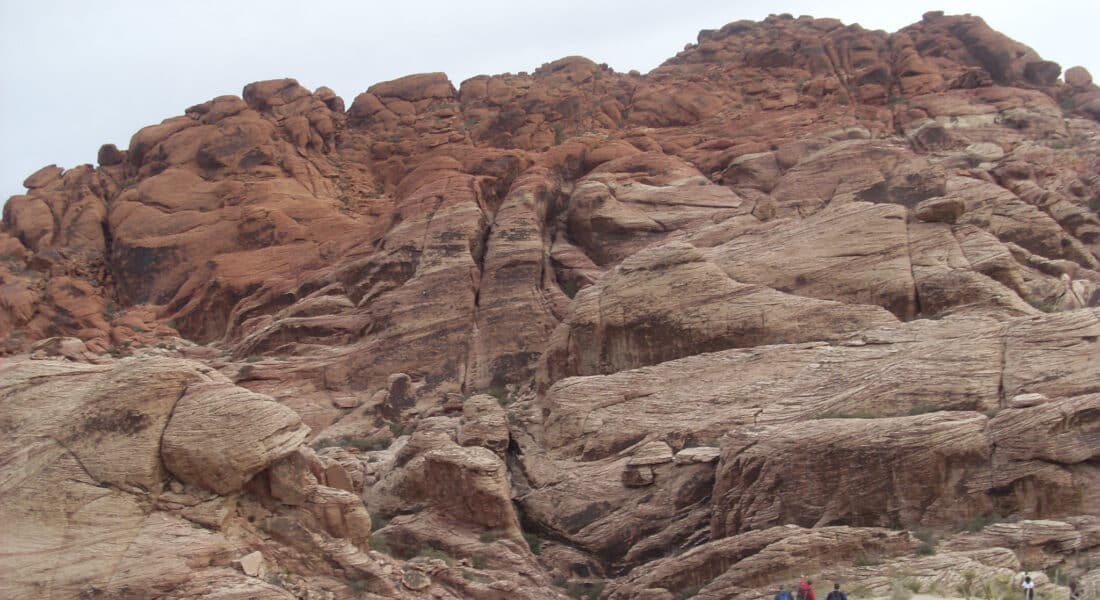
(488, 537)
(841, 414)
(899, 591)
(979, 522)
(437, 554)
(351, 441)
(868, 560)
(923, 409)
(378, 544)
(534, 542)
(500, 393)
(927, 539)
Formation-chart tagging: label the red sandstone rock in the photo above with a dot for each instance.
(787, 221)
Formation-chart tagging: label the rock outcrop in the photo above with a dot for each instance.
(571, 332)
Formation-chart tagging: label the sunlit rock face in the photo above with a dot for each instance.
(804, 299)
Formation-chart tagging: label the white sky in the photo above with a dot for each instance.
(78, 74)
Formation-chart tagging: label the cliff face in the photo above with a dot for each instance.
(801, 282)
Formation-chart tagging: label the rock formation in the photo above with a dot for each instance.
(805, 299)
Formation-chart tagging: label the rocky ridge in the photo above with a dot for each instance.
(806, 298)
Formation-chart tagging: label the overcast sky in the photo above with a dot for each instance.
(78, 74)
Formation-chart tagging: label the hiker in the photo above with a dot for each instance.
(783, 593)
(1029, 588)
(836, 594)
(805, 589)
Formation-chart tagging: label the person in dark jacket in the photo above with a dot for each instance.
(783, 594)
(836, 594)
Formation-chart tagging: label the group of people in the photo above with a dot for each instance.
(805, 591)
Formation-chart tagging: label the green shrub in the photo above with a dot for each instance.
(966, 586)
(378, 544)
(351, 441)
(358, 586)
(688, 592)
(927, 539)
(868, 560)
(437, 554)
(534, 542)
(840, 414)
(922, 409)
(979, 522)
(580, 589)
(488, 537)
(899, 591)
(378, 521)
(500, 393)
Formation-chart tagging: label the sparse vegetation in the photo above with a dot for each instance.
(688, 592)
(378, 544)
(868, 560)
(110, 311)
(437, 554)
(358, 586)
(500, 393)
(966, 586)
(378, 521)
(922, 409)
(397, 429)
(469, 575)
(570, 288)
(584, 590)
(488, 537)
(534, 542)
(898, 591)
(479, 562)
(927, 545)
(14, 264)
(980, 522)
(359, 443)
(1067, 100)
(997, 588)
(840, 414)
(559, 134)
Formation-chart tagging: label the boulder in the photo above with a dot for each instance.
(220, 435)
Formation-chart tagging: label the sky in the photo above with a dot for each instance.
(76, 74)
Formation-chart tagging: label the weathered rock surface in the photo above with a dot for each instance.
(554, 331)
(940, 469)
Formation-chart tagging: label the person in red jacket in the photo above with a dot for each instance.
(806, 589)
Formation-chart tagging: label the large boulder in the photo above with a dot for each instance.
(220, 435)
